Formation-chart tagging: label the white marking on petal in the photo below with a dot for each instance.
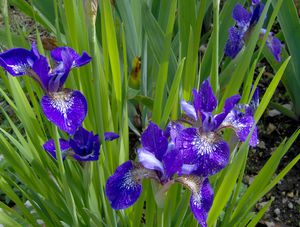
(62, 101)
(205, 143)
(21, 67)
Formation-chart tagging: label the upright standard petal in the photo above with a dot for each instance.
(17, 61)
(66, 109)
(60, 74)
(86, 145)
(77, 60)
(49, 146)
(205, 100)
(234, 43)
(242, 16)
(124, 187)
(201, 198)
(154, 141)
(206, 150)
(256, 14)
(41, 68)
(274, 46)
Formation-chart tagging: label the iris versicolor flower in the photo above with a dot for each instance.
(201, 145)
(244, 23)
(64, 107)
(158, 160)
(84, 146)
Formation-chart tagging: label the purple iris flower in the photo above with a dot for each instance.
(201, 145)
(64, 107)
(84, 146)
(158, 160)
(245, 21)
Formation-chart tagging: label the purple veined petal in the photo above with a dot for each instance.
(256, 13)
(242, 16)
(208, 122)
(124, 187)
(188, 169)
(56, 53)
(41, 68)
(82, 60)
(49, 146)
(82, 136)
(154, 141)
(274, 46)
(149, 161)
(17, 61)
(58, 76)
(35, 50)
(84, 155)
(172, 163)
(175, 129)
(61, 72)
(201, 198)
(109, 136)
(189, 110)
(234, 43)
(242, 125)
(86, 145)
(76, 59)
(183, 142)
(206, 150)
(228, 106)
(205, 100)
(66, 109)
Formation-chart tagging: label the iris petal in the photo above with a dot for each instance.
(149, 160)
(175, 128)
(124, 187)
(66, 109)
(201, 202)
(76, 59)
(201, 198)
(49, 146)
(242, 16)
(242, 124)
(154, 141)
(228, 106)
(234, 43)
(206, 150)
(189, 110)
(17, 61)
(172, 163)
(205, 100)
(41, 68)
(109, 136)
(274, 46)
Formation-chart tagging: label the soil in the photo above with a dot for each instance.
(285, 209)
